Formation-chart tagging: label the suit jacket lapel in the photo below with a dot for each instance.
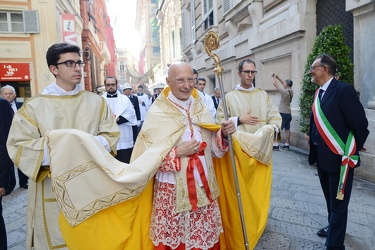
(328, 92)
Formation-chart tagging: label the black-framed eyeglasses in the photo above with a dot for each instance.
(72, 64)
(313, 67)
(248, 72)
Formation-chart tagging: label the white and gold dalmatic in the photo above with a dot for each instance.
(252, 101)
(80, 110)
(254, 172)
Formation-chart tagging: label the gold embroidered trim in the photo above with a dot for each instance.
(48, 237)
(75, 217)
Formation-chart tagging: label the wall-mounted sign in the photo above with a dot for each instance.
(14, 72)
(69, 28)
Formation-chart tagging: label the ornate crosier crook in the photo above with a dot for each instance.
(212, 43)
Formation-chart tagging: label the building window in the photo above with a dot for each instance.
(155, 31)
(11, 22)
(156, 49)
(19, 21)
(208, 14)
(192, 18)
(227, 5)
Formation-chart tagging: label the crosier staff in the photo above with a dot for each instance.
(212, 43)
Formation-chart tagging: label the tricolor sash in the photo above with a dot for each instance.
(337, 146)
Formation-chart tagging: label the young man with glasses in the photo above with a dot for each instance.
(257, 120)
(62, 105)
(249, 107)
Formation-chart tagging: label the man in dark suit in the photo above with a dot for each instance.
(127, 91)
(6, 165)
(336, 108)
(216, 97)
(9, 94)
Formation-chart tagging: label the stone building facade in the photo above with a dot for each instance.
(278, 35)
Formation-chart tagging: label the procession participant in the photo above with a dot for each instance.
(6, 165)
(258, 121)
(9, 94)
(62, 104)
(200, 85)
(216, 97)
(124, 112)
(144, 104)
(187, 169)
(134, 100)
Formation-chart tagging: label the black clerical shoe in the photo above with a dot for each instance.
(323, 232)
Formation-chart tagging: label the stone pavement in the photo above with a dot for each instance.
(14, 213)
(297, 210)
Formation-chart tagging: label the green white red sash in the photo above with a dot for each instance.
(337, 146)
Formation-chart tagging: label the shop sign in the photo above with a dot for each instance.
(14, 72)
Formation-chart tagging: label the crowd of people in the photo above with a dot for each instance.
(154, 172)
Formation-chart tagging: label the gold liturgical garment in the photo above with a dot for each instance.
(84, 111)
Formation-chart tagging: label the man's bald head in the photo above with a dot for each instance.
(180, 79)
(176, 66)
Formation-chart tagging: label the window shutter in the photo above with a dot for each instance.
(31, 21)
(226, 5)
